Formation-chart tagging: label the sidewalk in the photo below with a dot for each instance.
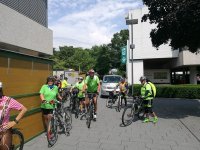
(178, 128)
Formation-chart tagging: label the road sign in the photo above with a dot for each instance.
(123, 55)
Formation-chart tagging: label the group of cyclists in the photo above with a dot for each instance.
(91, 84)
(146, 94)
(49, 92)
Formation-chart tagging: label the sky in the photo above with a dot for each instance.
(85, 23)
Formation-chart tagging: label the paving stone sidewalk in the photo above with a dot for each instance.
(178, 128)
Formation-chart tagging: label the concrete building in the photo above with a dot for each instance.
(25, 45)
(160, 66)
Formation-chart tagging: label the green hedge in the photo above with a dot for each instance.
(173, 91)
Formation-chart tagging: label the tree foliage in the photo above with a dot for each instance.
(178, 22)
(102, 58)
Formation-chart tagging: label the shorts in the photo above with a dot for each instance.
(148, 109)
(47, 111)
(95, 93)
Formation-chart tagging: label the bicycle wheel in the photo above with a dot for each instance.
(76, 108)
(18, 138)
(140, 113)
(89, 116)
(108, 102)
(119, 106)
(68, 119)
(128, 115)
(52, 135)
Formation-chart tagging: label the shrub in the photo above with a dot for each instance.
(173, 91)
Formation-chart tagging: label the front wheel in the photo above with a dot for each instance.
(128, 116)
(89, 116)
(18, 137)
(52, 134)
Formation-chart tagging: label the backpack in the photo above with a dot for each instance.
(153, 87)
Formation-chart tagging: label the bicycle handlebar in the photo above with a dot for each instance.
(52, 102)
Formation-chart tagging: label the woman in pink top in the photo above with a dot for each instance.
(6, 105)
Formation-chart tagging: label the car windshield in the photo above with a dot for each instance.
(111, 79)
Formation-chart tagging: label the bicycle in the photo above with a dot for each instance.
(65, 94)
(61, 118)
(74, 102)
(18, 137)
(90, 109)
(111, 99)
(136, 109)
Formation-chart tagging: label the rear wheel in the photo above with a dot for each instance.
(76, 108)
(128, 116)
(119, 106)
(108, 101)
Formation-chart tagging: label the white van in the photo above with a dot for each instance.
(109, 83)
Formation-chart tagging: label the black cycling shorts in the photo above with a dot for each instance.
(148, 109)
(46, 111)
(93, 92)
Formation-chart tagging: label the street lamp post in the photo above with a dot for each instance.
(131, 22)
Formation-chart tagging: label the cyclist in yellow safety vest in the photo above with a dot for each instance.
(81, 95)
(64, 83)
(147, 95)
(123, 87)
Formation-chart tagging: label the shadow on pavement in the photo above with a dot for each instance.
(176, 108)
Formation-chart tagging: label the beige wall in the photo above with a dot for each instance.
(191, 58)
(18, 30)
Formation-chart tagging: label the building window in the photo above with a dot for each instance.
(160, 75)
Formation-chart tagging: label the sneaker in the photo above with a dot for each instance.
(95, 117)
(146, 120)
(155, 120)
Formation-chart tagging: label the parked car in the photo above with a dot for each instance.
(109, 83)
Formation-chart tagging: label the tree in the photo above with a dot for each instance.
(103, 60)
(75, 58)
(178, 22)
(119, 40)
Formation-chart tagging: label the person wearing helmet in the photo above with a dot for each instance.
(48, 95)
(123, 87)
(7, 104)
(147, 95)
(57, 81)
(64, 83)
(81, 96)
(92, 84)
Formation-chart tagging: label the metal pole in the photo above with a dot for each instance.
(132, 55)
